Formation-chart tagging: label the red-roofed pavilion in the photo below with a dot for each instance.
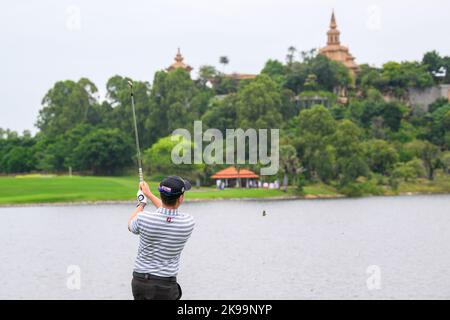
(231, 177)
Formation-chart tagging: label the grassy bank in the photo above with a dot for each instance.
(54, 189)
(49, 189)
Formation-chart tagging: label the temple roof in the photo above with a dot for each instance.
(334, 50)
(179, 63)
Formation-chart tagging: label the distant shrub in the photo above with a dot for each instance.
(361, 189)
(409, 171)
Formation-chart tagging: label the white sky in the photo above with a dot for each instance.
(43, 42)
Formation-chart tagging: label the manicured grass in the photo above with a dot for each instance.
(65, 189)
(42, 189)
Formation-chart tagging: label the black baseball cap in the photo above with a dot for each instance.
(174, 186)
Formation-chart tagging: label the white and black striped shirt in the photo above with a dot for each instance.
(163, 235)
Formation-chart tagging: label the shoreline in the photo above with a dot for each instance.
(276, 198)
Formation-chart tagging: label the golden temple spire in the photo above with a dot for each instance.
(333, 33)
(179, 57)
(333, 24)
(179, 63)
(335, 51)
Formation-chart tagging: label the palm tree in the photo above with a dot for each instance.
(206, 73)
(289, 163)
(224, 60)
(290, 55)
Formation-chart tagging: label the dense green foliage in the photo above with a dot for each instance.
(371, 139)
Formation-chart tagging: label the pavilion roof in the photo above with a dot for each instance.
(232, 173)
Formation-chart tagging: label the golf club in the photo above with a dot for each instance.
(141, 175)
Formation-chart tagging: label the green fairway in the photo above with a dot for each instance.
(43, 189)
(54, 189)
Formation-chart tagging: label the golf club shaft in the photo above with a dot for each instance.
(141, 175)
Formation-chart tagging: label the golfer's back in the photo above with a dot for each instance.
(163, 235)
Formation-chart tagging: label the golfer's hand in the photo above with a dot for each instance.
(143, 186)
(141, 198)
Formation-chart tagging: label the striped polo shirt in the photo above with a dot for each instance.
(162, 236)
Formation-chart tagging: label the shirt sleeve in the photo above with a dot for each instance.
(134, 225)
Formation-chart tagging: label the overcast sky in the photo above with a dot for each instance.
(46, 41)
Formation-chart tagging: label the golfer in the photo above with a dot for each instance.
(162, 236)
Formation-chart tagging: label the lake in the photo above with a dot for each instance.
(369, 248)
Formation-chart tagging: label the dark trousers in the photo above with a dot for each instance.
(150, 287)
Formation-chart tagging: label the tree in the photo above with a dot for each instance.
(428, 153)
(398, 77)
(288, 105)
(408, 171)
(224, 61)
(104, 152)
(435, 65)
(445, 160)
(18, 160)
(67, 104)
(440, 102)
(289, 163)
(51, 153)
(259, 104)
(56, 153)
(158, 159)
(328, 74)
(275, 70)
(221, 114)
(326, 165)
(290, 55)
(381, 156)
(315, 127)
(16, 152)
(174, 103)
(224, 85)
(369, 77)
(119, 99)
(440, 125)
(390, 113)
(349, 152)
(296, 76)
(446, 62)
(207, 74)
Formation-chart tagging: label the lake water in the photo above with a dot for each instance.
(302, 249)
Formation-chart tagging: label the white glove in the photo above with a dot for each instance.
(141, 198)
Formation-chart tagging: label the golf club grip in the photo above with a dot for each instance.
(141, 175)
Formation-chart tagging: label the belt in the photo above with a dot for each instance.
(148, 276)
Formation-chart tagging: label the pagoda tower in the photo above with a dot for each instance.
(335, 51)
(179, 63)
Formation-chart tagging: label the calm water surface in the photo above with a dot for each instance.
(299, 250)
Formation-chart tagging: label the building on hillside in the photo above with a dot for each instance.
(308, 102)
(231, 177)
(335, 51)
(179, 63)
